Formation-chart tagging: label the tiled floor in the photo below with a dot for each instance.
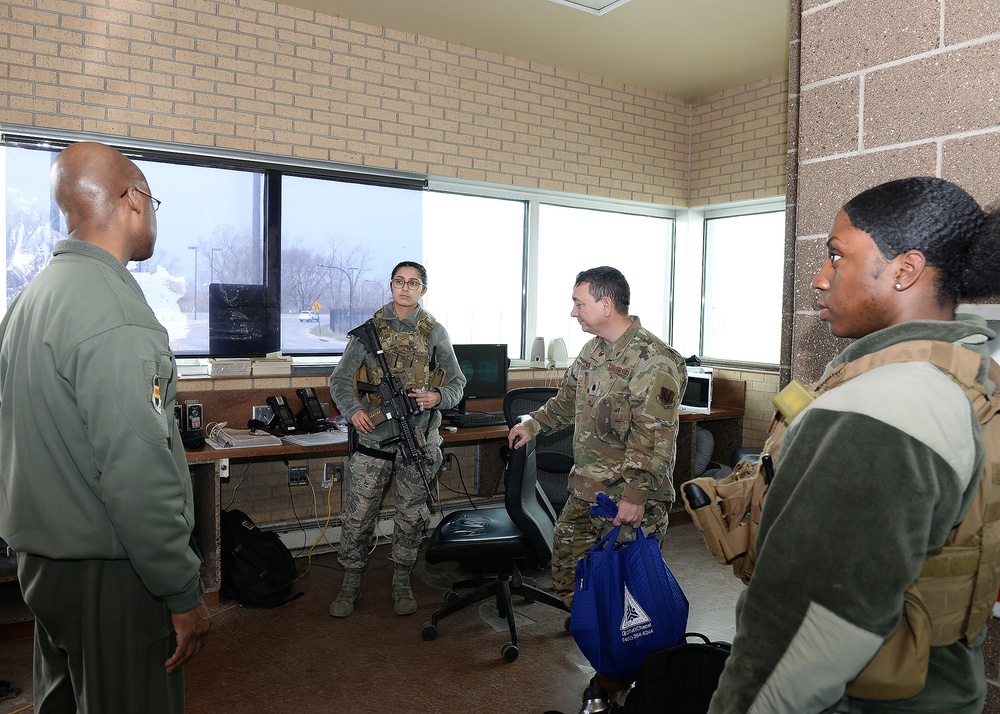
(298, 659)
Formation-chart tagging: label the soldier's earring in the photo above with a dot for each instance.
(899, 286)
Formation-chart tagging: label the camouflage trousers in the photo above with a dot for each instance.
(577, 532)
(367, 481)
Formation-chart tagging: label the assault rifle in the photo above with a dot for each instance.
(397, 405)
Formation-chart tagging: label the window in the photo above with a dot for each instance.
(474, 251)
(574, 239)
(744, 260)
(339, 244)
(501, 261)
(208, 231)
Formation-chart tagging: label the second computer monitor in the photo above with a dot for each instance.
(485, 369)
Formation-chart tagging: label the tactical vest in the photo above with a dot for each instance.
(954, 596)
(407, 355)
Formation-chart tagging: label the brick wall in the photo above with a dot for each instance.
(255, 76)
(260, 77)
(761, 388)
(738, 144)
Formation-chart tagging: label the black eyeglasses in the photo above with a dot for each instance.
(156, 201)
(412, 283)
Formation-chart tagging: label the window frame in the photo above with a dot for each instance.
(685, 296)
(775, 204)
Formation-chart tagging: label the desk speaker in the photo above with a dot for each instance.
(557, 354)
(538, 352)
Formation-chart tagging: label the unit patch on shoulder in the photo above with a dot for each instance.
(155, 396)
(663, 397)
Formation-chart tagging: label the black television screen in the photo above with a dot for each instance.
(239, 322)
(485, 368)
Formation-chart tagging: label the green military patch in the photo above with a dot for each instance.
(664, 395)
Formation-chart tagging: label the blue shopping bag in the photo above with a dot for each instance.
(626, 603)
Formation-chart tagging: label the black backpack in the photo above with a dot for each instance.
(679, 679)
(257, 568)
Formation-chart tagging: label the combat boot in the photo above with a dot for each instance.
(350, 591)
(403, 602)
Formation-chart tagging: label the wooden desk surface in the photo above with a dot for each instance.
(470, 435)
(716, 413)
(206, 454)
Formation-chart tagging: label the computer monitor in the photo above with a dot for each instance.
(240, 324)
(485, 369)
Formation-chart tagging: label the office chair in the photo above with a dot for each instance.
(554, 451)
(496, 540)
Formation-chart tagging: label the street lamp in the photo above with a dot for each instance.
(212, 257)
(382, 291)
(195, 249)
(350, 298)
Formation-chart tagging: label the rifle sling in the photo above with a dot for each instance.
(376, 453)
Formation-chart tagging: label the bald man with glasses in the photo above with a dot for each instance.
(95, 495)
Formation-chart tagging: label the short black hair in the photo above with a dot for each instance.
(606, 281)
(943, 222)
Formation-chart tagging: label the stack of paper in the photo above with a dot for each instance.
(271, 365)
(195, 368)
(319, 438)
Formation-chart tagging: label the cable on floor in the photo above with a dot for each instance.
(329, 516)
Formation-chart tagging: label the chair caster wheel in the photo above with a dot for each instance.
(566, 623)
(509, 652)
(429, 632)
(451, 597)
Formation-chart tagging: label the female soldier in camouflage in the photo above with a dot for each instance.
(420, 354)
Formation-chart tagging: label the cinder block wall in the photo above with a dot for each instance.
(886, 90)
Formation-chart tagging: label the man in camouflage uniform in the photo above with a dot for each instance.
(419, 352)
(621, 394)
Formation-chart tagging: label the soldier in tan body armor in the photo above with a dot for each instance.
(419, 352)
(873, 475)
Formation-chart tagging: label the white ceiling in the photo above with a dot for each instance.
(684, 48)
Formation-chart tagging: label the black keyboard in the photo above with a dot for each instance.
(471, 419)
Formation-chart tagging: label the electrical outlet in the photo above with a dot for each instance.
(338, 472)
(446, 464)
(298, 475)
(263, 414)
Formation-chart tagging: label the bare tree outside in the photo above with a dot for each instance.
(303, 282)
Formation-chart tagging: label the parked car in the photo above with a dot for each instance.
(308, 316)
